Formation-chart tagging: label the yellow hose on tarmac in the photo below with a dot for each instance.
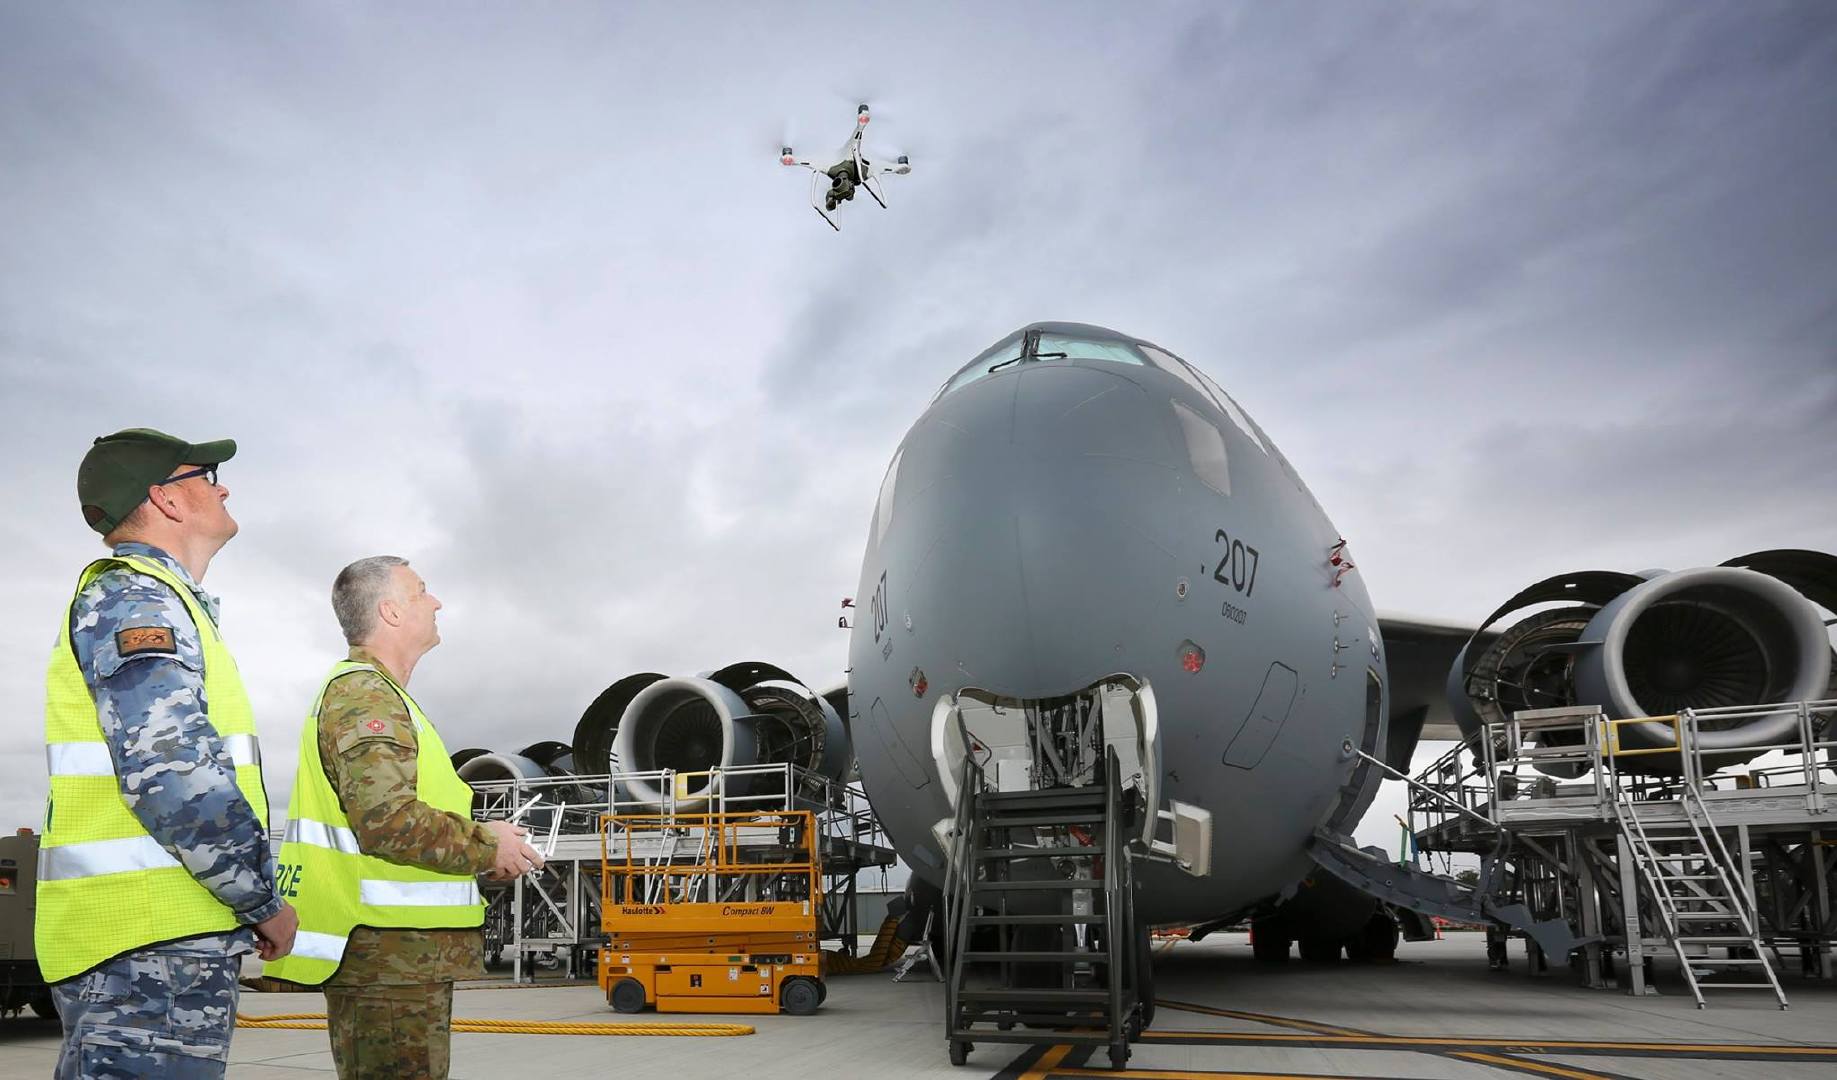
(887, 948)
(304, 1022)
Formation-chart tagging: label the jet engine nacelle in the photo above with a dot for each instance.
(1657, 643)
(744, 714)
(1703, 639)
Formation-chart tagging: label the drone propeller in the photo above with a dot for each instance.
(890, 159)
(880, 108)
(783, 143)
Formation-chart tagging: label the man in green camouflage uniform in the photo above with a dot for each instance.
(390, 1003)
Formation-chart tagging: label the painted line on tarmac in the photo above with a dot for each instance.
(1535, 1068)
(1431, 1043)
(1046, 1062)
(1264, 1018)
(1195, 1074)
(1051, 1062)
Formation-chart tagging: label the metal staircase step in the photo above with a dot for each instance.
(1020, 821)
(1039, 852)
(1037, 956)
(1042, 797)
(1035, 996)
(1037, 920)
(1074, 1017)
(1054, 885)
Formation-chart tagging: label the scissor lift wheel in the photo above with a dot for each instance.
(627, 996)
(800, 996)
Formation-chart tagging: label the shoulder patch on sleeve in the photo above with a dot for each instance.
(377, 733)
(136, 640)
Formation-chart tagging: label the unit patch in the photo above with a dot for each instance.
(377, 726)
(145, 639)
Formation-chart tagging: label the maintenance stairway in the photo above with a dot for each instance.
(1691, 879)
(1043, 943)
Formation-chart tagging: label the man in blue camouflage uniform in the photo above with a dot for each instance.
(165, 1010)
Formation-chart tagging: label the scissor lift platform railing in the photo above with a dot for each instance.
(554, 914)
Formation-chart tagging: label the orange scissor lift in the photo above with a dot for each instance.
(713, 913)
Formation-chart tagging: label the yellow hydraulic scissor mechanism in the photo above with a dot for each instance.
(711, 913)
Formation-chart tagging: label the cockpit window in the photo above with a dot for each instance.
(1006, 352)
(1078, 349)
(883, 511)
(1051, 347)
(1205, 447)
(1203, 384)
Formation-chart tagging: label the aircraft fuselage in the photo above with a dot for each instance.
(1061, 520)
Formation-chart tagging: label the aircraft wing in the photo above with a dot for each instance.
(1419, 651)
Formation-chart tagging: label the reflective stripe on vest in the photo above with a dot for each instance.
(333, 885)
(105, 886)
(319, 834)
(96, 858)
(92, 758)
(418, 893)
(328, 948)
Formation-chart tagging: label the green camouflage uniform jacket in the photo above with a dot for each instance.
(373, 773)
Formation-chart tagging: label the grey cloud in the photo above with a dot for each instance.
(524, 298)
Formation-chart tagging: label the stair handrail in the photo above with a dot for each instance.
(1719, 857)
(1645, 862)
(1117, 938)
(959, 873)
(1695, 808)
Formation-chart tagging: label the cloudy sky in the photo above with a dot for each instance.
(521, 293)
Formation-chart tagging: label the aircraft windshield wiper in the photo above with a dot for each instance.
(1030, 346)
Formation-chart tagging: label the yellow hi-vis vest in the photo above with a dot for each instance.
(106, 887)
(334, 886)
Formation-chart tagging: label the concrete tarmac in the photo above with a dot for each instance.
(1437, 1013)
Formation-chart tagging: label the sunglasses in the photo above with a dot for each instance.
(209, 472)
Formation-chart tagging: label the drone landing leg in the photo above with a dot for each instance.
(826, 217)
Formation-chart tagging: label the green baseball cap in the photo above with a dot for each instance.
(119, 468)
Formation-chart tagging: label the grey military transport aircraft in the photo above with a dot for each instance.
(1083, 525)
(1085, 544)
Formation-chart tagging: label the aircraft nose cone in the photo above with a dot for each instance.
(1061, 487)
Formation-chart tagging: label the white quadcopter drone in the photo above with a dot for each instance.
(834, 185)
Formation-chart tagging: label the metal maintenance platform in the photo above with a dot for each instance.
(1677, 849)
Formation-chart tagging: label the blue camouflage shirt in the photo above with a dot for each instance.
(173, 769)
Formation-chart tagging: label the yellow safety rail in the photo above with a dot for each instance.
(1610, 736)
(718, 858)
